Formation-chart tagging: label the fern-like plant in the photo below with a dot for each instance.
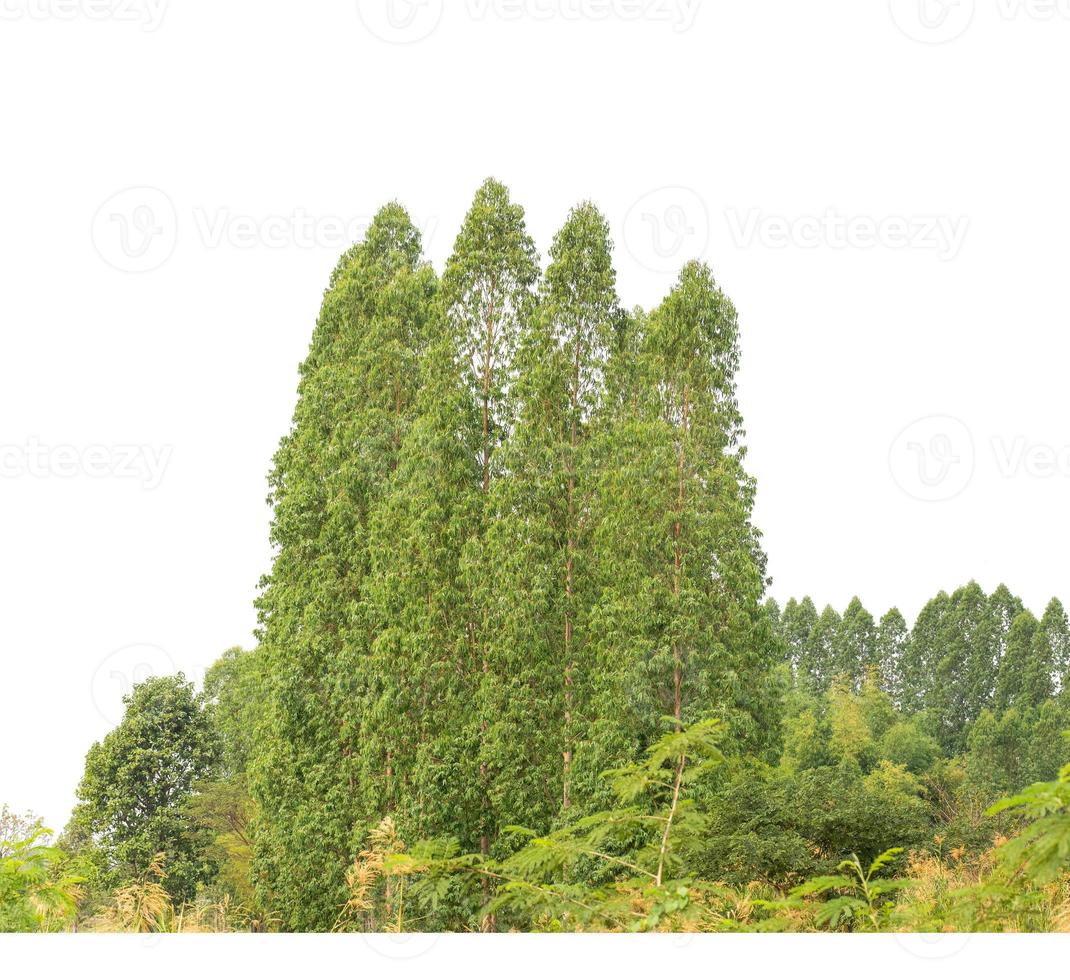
(37, 893)
(856, 899)
(640, 850)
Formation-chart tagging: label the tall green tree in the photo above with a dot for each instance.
(355, 402)
(922, 654)
(1056, 634)
(796, 625)
(488, 298)
(965, 665)
(952, 659)
(429, 721)
(1003, 608)
(773, 611)
(679, 622)
(818, 665)
(853, 648)
(222, 806)
(427, 664)
(1025, 672)
(232, 690)
(890, 649)
(538, 596)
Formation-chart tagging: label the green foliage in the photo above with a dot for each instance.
(817, 666)
(906, 745)
(890, 649)
(314, 774)
(1015, 748)
(138, 780)
(416, 726)
(231, 691)
(38, 889)
(850, 735)
(796, 625)
(750, 834)
(838, 809)
(679, 618)
(433, 670)
(966, 652)
(15, 827)
(640, 849)
(1055, 633)
(854, 646)
(1028, 668)
(488, 298)
(513, 530)
(1042, 850)
(223, 811)
(807, 735)
(536, 589)
(861, 901)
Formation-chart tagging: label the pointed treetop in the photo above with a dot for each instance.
(391, 239)
(692, 343)
(582, 253)
(697, 316)
(493, 245)
(392, 236)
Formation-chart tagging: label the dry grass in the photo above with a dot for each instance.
(146, 906)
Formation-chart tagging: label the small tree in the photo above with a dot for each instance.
(137, 784)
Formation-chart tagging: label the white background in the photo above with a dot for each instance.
(730, 130)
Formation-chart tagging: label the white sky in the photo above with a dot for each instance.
(826, 124)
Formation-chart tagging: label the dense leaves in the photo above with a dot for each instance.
(138, 781)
